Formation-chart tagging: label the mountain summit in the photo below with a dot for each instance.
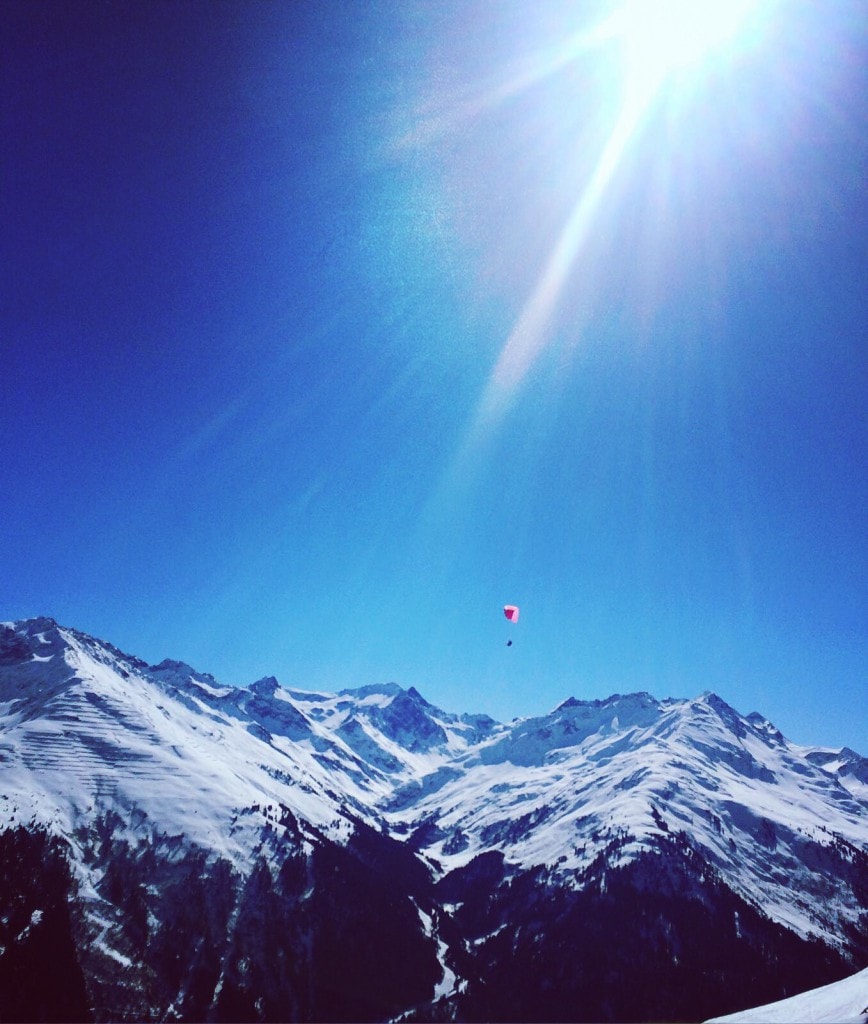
(200, 851)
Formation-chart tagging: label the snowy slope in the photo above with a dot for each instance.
(558, 789)
(843, 1002)
(119, 758)
(86, 730)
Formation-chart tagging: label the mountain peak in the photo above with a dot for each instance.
(171, 665)
(37, 639)
(179, 673)
(265, 687)
(727, 714)
(414, 693)
(533, 740)
(640, 698)
(372, 689)
(14, 646)
(36, 625)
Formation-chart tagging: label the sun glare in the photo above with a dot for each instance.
(658, 51)
(666, 38)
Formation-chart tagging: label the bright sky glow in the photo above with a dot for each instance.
(659, 45)
(658, 40)
(668, 37)
(324, 336)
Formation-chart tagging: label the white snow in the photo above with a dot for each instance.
(172, 753)
(108, 741)
(446, 986)
(843, 1002)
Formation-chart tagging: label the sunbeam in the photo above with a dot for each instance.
(657, 40)
(530, 333)
(652, 56)
(654, 45)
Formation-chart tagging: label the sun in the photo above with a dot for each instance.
(652, 55)
(663, 40)
(662, 45)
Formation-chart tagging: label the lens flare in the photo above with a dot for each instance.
(658, 43)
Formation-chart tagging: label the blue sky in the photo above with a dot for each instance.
(326, 329)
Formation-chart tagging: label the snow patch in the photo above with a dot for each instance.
(842, 1002)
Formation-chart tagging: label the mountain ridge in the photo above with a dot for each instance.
(135, 766)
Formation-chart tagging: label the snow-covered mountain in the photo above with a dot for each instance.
(262, 852)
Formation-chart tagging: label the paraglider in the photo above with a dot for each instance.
(511, 612)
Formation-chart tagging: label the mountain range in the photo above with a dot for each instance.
(175, 848)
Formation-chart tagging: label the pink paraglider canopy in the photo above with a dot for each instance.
(511, 612)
